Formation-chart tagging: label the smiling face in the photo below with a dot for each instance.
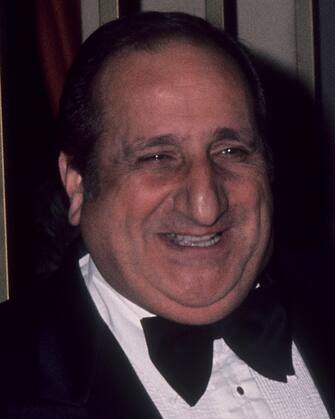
(181, 222)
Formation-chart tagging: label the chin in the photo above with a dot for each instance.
(201, 314)
(196, 316)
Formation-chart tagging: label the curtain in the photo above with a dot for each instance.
(58, 33)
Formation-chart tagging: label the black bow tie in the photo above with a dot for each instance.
(257, 332)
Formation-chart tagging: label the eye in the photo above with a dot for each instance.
(156, 157)
(238, 153)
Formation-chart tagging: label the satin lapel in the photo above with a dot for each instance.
(69, 337)
(81, 363)
(116, 390)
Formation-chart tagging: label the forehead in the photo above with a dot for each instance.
(173, 63)
(179, 79)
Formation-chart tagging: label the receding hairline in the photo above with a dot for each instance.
(158, 45)
(229, 63)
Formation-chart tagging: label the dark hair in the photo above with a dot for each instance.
(80, 121)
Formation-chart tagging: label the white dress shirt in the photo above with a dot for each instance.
(234, 390)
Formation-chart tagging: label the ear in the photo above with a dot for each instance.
(73, 185)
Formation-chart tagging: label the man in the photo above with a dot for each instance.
(164, 163)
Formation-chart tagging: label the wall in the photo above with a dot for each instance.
(268, 26)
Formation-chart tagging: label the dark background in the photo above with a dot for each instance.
(30, 152)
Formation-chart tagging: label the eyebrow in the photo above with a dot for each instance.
(233, 135)
(170, 139)
(219, 134)
(142, 143)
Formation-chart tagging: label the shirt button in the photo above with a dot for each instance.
(211, 387)
(240, 390)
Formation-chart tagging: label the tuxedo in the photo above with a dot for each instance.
(62, 361)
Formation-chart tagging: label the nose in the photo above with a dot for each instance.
(203, 197)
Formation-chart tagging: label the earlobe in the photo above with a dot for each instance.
(73, 185)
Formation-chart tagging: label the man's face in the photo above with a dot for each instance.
(182, 219)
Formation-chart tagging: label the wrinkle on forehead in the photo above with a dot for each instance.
(172, 64)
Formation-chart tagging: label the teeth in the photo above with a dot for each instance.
(195, 241)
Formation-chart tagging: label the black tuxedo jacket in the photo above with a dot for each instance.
(59, 359)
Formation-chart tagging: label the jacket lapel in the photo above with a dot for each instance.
(81, 363)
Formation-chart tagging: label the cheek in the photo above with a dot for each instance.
(251, 206)
(250, 193)
(127, 212)
(142, 196)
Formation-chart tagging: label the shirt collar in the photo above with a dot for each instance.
(121, 315)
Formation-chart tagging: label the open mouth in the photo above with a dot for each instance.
(194, 241)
